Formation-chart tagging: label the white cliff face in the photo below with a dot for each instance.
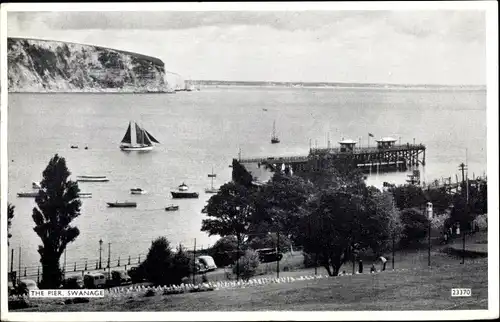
(53, 66)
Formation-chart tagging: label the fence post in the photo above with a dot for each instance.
(74, 268)
(278, 251)
(85, 265)
(24, 271)
(19, 267)
(139, 260)
(12, 260)
(128, 260)
(118, 261)
(38, 275)
(194, 262)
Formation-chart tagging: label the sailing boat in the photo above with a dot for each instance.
(274, 137)
(212, 189)
(144, 139)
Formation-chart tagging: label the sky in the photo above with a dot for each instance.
(397, 47)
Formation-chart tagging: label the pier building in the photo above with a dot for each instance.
(385, 156)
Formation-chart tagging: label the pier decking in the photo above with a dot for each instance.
(385, 156)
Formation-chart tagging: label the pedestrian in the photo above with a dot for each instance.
(360, 266)
(373, 269)
(384, 262)
(446, 238)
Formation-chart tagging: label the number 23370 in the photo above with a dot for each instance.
(458, 292)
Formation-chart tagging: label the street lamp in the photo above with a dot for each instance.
(100, 252)
(429, 215)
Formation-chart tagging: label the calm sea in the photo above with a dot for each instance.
(205, 129)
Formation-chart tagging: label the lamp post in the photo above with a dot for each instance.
(429, 215)
(100, 253)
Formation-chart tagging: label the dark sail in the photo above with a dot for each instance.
(151, 137)
(127, 138)
(147, 140)
(139, 134)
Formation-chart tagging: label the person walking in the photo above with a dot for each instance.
(384, 262)
(360, 266)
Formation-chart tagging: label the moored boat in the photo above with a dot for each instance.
(124, 204)
(36, 185)
(34, 194)
(31, 194)
(274, 137)
(212, 189)
(183, 193)
(137, 191)
(92, 179)
(171, 208)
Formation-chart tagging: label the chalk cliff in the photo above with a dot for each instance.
(55, 66)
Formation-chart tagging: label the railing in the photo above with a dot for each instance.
(276, 159)
(396, 147)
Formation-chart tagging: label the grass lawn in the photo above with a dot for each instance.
(411, 289)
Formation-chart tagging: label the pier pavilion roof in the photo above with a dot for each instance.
(347, 141)
(386, 139)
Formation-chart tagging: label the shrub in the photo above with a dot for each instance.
(224, 251)
(439, 222)
(149, 293)
(415, 226)
(248, 265)
(481, 222)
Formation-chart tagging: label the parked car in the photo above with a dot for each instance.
(94, 280)
(208, 262)
(267, 255)
(117, 278)
(137, 274)
(73, 282)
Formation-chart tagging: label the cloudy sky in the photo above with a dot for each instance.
(418, 47)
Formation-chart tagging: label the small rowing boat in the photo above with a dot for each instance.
(137, 191)
(172, 208)
(125, 204)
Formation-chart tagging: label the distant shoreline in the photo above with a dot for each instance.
(306, 86)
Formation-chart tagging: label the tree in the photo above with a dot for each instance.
(415, 226)
(57, 205)
(230, 211)
(158, 263)
(182, 265)
(408, 196)
(332, 228)
(240, 175)
(224, 251)
(248, 265)
(382, 224)
(10, 216)
(279, 205)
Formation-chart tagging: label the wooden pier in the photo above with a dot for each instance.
(386, 156)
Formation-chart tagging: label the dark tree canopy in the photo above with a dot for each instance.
(230, 211)
(415, 226)
(164, 267)
(10, 216)
(224, 251)
(279, 205)
(241, 175)
(57, 205)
